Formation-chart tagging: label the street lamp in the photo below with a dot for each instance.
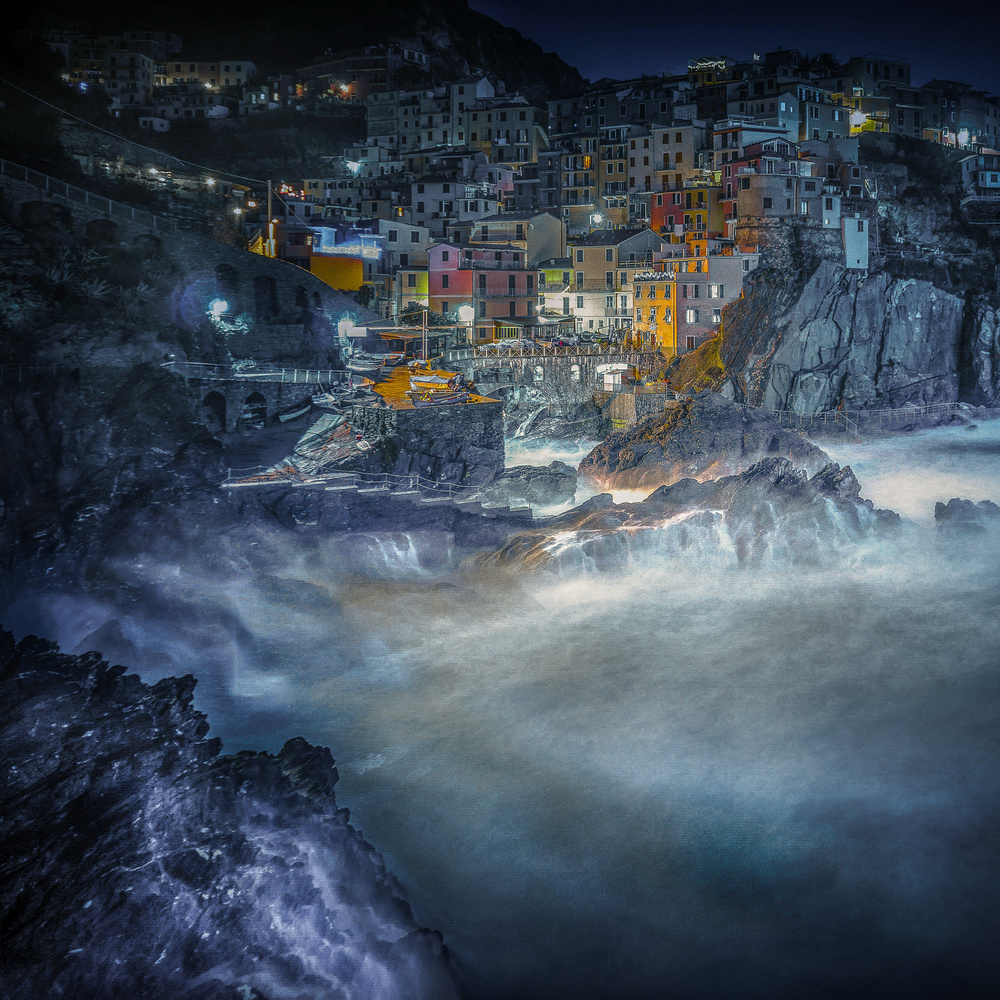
(466, 314)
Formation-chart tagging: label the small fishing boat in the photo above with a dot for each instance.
(419, 382)
(436, 398)
(363, 363)
(297, 412)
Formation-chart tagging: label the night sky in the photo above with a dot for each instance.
(958, 41)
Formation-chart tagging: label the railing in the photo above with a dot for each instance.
(551, 351)
(16, 374)
(236, 373)
(80, 196)
(390, 482)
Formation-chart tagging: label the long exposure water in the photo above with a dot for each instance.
(682, 779)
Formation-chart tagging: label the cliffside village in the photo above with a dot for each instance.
(625, 214)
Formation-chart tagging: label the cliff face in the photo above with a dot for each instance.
(139, 862)
(921, 326)
(866, 340)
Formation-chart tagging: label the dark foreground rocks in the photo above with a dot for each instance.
(966, 517)
(703, 437)
(554, 483)
(138, 862)
(773, 512)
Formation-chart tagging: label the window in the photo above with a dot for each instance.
(691, 316)
(767, 203)
(444, 307)
(609, 279)
(512, 308)
(716, 315)
(411, 281)
(566, 307)
(444, 280)
(861, 225)
(445, 254)
(579, 278)
(579, 256)
(828, 204)
(579, 302)
(404, 260)
(414, 236)
(609, 254)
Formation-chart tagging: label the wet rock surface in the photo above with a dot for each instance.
(964, 516)
(706, 436)
(554, 483)
(138, 861)
(772, 511)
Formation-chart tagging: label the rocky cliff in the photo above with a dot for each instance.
(771, 513)
(138, 861)
(703, 437)
(921, 326)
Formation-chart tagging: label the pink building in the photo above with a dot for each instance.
(494, 279)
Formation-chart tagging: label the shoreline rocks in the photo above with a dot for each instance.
(703, 437)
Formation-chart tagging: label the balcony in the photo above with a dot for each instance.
(618, 313)
(464, 264)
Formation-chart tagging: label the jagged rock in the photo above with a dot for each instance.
(554, 483)
(772, 511)
(965, 516)
(137, 861)
(866, 340)
(706, 436)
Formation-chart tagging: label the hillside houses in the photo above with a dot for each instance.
(629, 211)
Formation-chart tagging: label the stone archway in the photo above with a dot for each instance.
(255, 411)
(213, 411)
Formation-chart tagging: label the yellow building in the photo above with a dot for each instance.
(411, 288)
(343, 273)
(654, 312)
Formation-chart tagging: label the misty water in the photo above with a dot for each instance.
(681, 779)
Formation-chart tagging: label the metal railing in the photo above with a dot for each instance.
(551, 351)
(238, 373)
(360, 481)
(80, 196)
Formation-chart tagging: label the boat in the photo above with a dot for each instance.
(363, 363)
(297, 412)
(431, 398)
(432, 382)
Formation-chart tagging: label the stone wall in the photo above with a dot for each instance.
(454, 444)
(462, 443)
(791, 246)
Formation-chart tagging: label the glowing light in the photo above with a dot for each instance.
(466, 313)
(353, 165)
(210, 181)
(217, 307)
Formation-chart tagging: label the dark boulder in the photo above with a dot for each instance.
(704, 437)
